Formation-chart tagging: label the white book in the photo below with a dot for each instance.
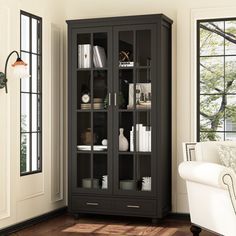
(146, 143)
(132, 139)
(149, 134)
(100, 56)
(79, 55)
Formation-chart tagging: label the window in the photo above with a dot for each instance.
(216, 76)
(31, 95)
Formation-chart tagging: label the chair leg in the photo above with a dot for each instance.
(195, 230)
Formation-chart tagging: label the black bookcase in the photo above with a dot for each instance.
(119, 81)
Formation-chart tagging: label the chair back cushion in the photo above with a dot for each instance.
(208, 151)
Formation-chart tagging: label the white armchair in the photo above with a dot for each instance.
(211, 188)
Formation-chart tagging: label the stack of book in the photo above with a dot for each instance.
(143, 138)
(98, 103)
(85, 106)
(84, 56)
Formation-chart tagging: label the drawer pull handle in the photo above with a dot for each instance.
(92, 204)
(133, 206)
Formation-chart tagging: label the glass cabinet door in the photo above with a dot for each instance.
(92, 88)
(133, 108)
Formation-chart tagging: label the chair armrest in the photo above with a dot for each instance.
(205, 173)
(210, 174)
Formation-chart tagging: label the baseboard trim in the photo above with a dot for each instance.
(178, 216)
(25, 224)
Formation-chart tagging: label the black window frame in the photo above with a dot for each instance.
(198, 74)
(38, 93)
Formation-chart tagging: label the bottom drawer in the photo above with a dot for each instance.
(90, 204)
(136, 207)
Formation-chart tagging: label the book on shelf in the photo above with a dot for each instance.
(99, 57)
(84, 55)
(142, 139)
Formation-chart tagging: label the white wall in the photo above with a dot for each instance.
(183, 60)
(25, 197)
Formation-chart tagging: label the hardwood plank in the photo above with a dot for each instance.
(66, 225)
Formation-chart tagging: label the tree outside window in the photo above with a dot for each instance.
(216, 80)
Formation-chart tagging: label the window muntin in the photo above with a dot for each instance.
(216, 76)
(31, 95)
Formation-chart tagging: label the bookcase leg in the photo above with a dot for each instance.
(195, 230)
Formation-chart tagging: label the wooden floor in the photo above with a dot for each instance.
(103, 226)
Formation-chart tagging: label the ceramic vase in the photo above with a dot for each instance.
(123, 142)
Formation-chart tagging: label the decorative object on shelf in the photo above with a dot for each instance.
(87, 138)
(85, 97)
(99, 57)
(104, 181)
(124, 59)
(143, 138)
(104, 142)
(128, 184)
(146, 183)
(143, 96)
(87, 183)
(123, 142)
(20, 70)
(84, 55)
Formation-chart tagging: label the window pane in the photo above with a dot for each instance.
(25, 112)
(34, 112)
(34, 152)
(34, 73)
(25, 22)
(212, 74)
(25, 82)
(25, 153)
(230, 43)
(211, 41)
(34, 36)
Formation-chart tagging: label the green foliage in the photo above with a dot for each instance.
(23, 146)
(217, 78)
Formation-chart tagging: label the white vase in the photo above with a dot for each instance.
(123, 142)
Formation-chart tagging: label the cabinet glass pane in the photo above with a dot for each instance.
(143, 92)
(84, 179)
(126, 132)
(100, 172)
(100, 131)
(100, 50)
(125, 98)
(143, 47)
(83, 90)
(84, 133)
(126, 51)
(143, 172)
(143, 132)
(84, 59)
(126, 173)
(100, 99)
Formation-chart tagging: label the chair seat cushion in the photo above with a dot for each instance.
(227, 156)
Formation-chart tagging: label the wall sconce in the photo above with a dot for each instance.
(19, 69)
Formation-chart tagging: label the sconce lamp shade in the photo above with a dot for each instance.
(20, 69)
